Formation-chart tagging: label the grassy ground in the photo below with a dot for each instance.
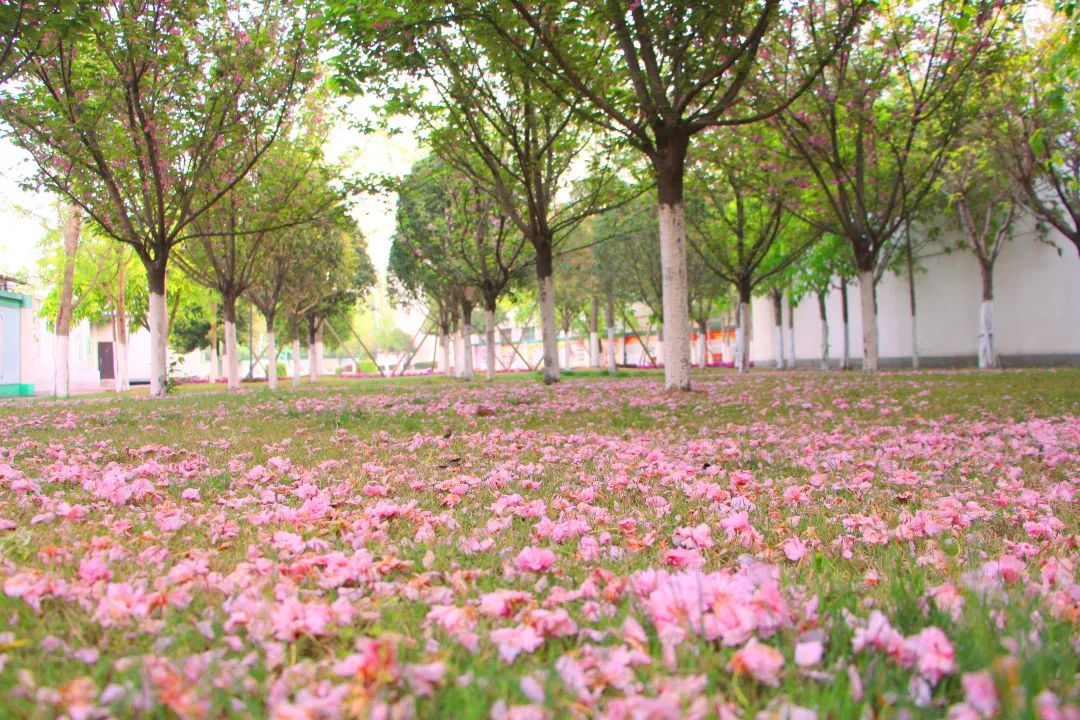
(430, 548)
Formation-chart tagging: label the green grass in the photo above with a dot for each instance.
(998, 448)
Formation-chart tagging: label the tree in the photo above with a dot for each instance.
(980, 202)
(506, 131)
(739, 226)
(289, 188)
(460, 233)
(29, 27)
(875, 128)
(1039, 132)
(826, 266)
(155, 112)
(658, 74)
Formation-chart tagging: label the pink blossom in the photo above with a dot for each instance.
(760, 662)
(534, 559)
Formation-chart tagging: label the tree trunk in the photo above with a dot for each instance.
(778, 327)
(158, 319)
(548, 327)
(318, 354)
(703, 344)
(790, 344)
(271, 354)
(215, 371)
(660, 346)
(824, 330)
(911, 300)
(987, 352)
(232, 359)
(669, 162)
(868, 309)
(845, 358)
(122, 382)
(447, 366)
(489, 339)
(296, 356)
(609, 322)
(466, 349)
(594, 333)
(742, 334)
(72, 227)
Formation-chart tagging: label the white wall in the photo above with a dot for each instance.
(1037, 308)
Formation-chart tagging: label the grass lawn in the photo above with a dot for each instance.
(766, 546)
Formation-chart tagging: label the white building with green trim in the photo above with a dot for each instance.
(16, 344)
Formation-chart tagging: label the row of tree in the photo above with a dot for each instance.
(188, 133)
(821, 138)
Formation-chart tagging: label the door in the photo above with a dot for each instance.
(105, 361)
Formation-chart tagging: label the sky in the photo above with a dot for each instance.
(25, 213)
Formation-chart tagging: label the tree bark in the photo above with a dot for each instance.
(158, 320)
(609, 322)
(548, 326)
(489, 339)
(594, 333)
(823, 314)
(845, 358)
(669, 163)
(868, 309)
(72, 227)
(778, 328)
(232, 359)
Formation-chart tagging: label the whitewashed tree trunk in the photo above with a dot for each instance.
(703, 347)
(594, 334)
(447, 367)
(845, 358)
(122, 382)
(72, 228)
(790, 324)
(271, 356)
(489, 342)
(466, 351)
(778, 329)
(566, 351)
(609, 321)
(61, 351)
(215, 368)
(742, 336)
(676, 301)
(296, 361)
(823, 313)
(459, 355)
(319, 347)
(232, 359)
(868, 309)
(158, 319)
(549, 329)
(987, 354)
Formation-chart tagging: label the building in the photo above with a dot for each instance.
(16, 342)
